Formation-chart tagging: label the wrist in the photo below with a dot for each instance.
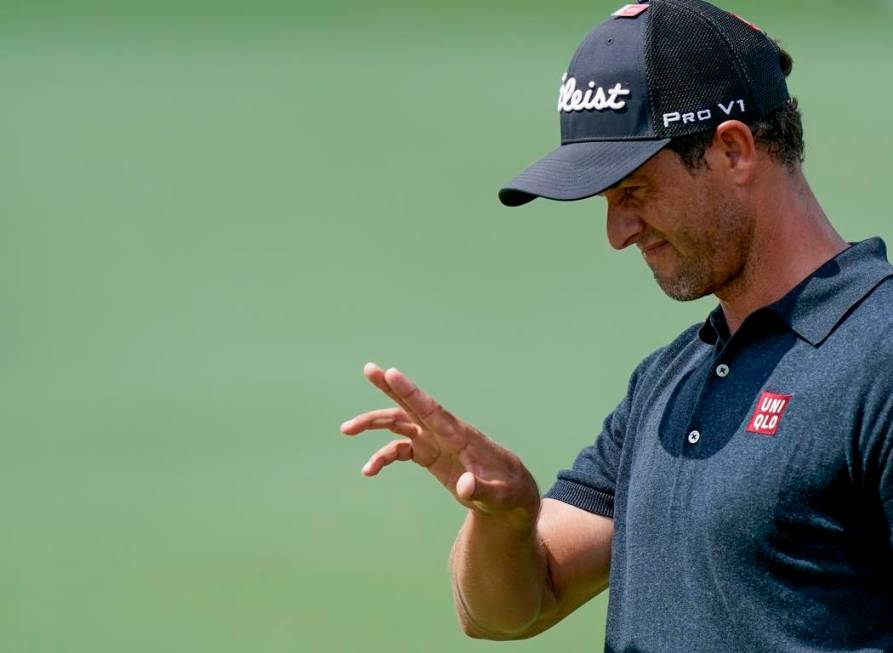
(521, 519)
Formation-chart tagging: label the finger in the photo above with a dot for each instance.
(406, 428)
(420, 404)
(375, 419)
(376, 377)
(445, 425)
(391, 452)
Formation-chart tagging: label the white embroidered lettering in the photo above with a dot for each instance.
(727, 108)
(571, 99)
(767, 416)
(702, 115)
(671, 117)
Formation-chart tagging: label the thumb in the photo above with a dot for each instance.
(466, 486)
(489, 497)
(470, 488)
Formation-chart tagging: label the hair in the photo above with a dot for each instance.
(779, 132)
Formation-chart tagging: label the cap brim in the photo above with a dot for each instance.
(579, 170)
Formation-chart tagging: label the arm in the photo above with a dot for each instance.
(515, 580)
(564, 559)
(520, 563)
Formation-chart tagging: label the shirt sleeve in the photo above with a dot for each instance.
(887, 498)
(591, 482)
(878, 466)
(875, 445)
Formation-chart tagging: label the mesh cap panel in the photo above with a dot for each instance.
(705, 66)
(758, 57)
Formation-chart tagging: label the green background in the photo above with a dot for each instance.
(214, 214)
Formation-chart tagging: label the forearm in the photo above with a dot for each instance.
(499, 572)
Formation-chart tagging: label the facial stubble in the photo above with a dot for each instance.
(711, 257)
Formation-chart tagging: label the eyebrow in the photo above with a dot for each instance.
(633, 178)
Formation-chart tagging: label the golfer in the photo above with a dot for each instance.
(740, 496)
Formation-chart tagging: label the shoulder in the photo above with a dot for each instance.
(866, 333)
(871, 335)
(876, 309)
(855, 360)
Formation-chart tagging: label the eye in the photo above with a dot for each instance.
(631, 192)
(623, 194)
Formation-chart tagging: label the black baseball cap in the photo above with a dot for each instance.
(649, 73)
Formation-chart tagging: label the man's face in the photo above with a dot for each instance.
(694, 231)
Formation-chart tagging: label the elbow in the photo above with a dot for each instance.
(511, 625)
(474, 631)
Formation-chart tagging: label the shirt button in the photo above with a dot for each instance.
(694, 436)
(722, 371)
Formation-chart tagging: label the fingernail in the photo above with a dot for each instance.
(346, 425)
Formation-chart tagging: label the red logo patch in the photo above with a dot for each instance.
(767, 415)
(630, 11)
(748, 23)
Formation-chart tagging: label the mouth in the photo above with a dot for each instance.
(655, 249)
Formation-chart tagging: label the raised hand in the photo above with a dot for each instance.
(479, 473)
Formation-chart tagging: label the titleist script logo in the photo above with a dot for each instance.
(571, 99)
(703, 114)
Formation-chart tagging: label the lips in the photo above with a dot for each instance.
(654, 249)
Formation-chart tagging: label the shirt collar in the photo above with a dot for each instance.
(815, 306)
(714, 327)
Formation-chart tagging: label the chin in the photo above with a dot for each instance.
(682, 290)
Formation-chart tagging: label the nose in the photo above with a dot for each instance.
(624, 226)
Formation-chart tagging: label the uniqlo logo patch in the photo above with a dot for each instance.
(767, 416)
(630, 11)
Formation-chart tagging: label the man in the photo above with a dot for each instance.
(740, 497)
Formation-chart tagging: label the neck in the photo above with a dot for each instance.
(792, 238)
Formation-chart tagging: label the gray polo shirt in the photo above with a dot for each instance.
(750, 478)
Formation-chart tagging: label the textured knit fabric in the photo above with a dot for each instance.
(753, 522)
(699, 57)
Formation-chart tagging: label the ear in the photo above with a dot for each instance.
(734, 151)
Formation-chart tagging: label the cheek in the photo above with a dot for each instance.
(682, 213)
(683, 207)
(703, 203)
